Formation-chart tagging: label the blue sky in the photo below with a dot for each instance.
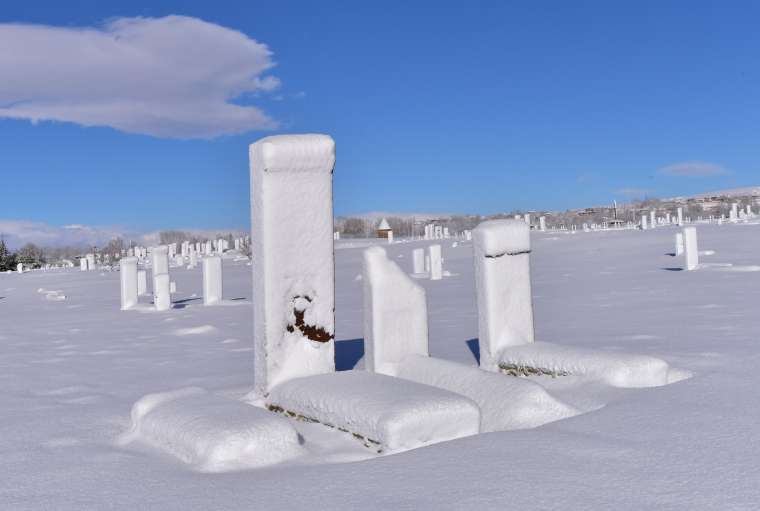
(469, 107)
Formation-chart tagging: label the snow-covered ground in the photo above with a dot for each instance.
(71, 369)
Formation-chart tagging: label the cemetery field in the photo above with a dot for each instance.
(72, 365)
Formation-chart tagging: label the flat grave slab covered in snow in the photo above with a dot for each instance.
(385, 413)
(616, 369)
(505, 403)
(212, 433)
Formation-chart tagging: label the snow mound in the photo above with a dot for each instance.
(211, 433)
(616, 369)
(195, 330)
(505, 403)
(385, 413)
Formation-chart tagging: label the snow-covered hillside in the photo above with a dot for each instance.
(71, 369)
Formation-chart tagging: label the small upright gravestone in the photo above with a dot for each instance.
(142, 282)
(395, 312)
(690, 247)
(129, 284)
(418, 260)
(436, 264)
(162, 292)
(679, 244)
(161, 283)
(212, 280)
(502, 279)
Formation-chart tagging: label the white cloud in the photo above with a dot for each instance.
(16, 233)
(693, 169)
(168, 77)
(19, 232)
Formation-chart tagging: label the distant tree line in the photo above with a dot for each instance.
(30, 255)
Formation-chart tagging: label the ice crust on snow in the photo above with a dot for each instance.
(395, 312)
(616, 369)
(505, 403)
(293, 282)
(212, 433)
(389, 414)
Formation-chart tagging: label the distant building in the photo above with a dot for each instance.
(383, 230)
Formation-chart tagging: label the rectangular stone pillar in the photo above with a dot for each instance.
(679, 243)
(212, 280)
(680, 216)
(542, 223)
(293, 261)
(643, 222)
(160, 269)
(142, 282)
(418, 260)
(690, 247)
(161, 292)
(502, 278)
(128, 280)
(436, 264)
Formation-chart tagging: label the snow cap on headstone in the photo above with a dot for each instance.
(499, 237)
(295, 153)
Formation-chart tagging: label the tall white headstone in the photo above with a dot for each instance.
(502, 279)
(690, 247)
(436, 264)
(680, 216)
(160, 269)
(20, 268)
(162, 292)
(212, 280)
(395, 313)
(160, 260)
(128, 280)
(652, 219)
(679, 243)
(643, 222)
(418, 260)
(542, 223)
(83, 264)
(293, 262)
(142, 282)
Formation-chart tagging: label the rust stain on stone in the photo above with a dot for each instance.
(311, 332)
